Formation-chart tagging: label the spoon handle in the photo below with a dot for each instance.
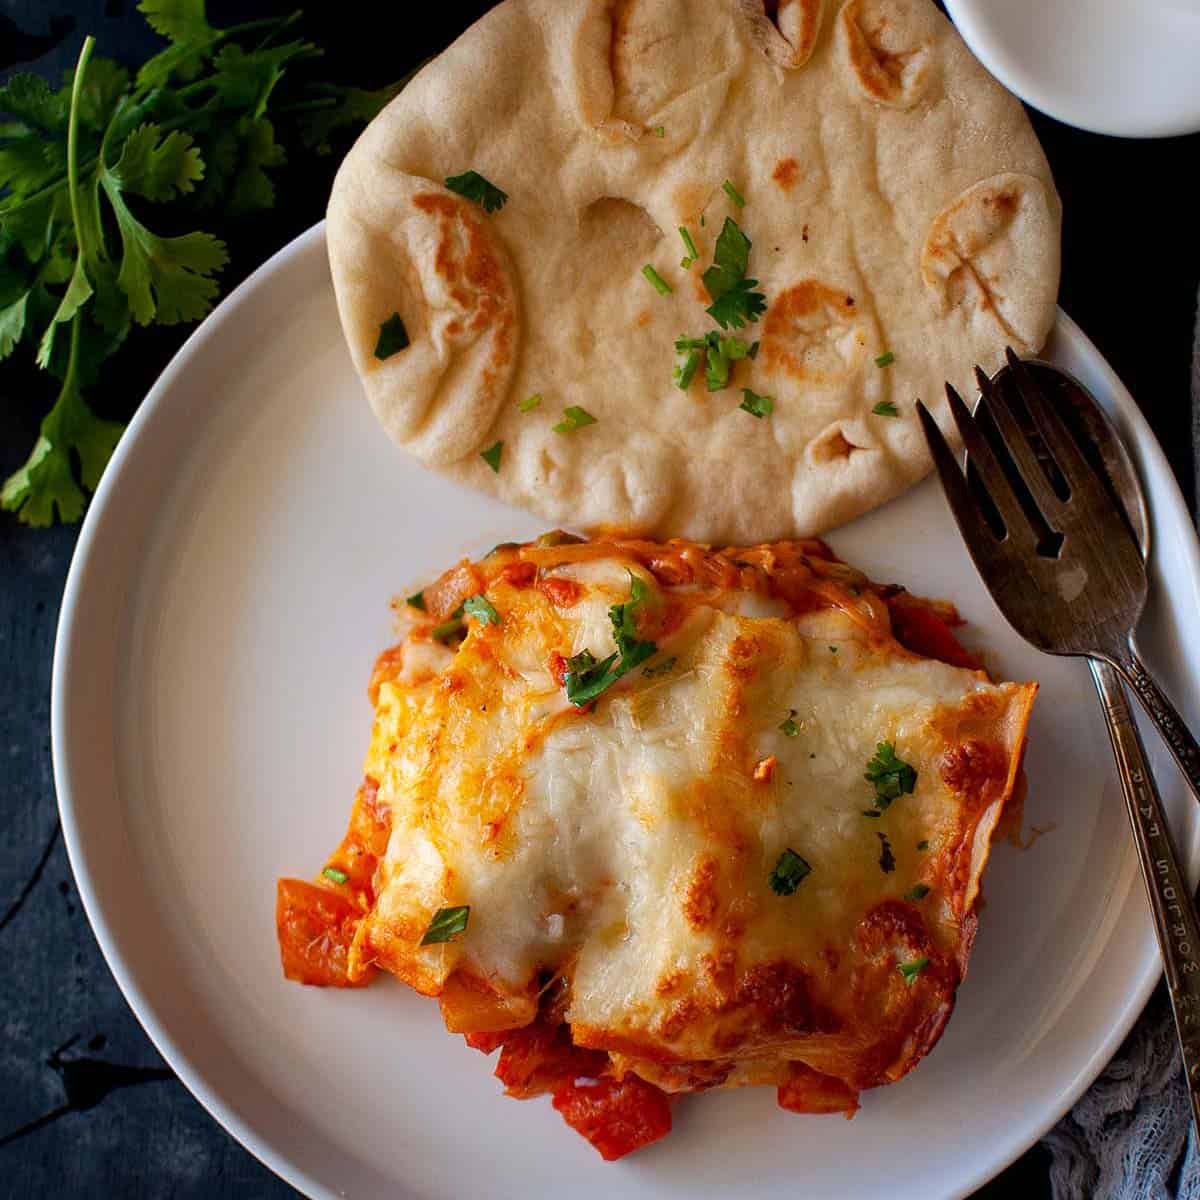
(1175, 920)
(1166, 716)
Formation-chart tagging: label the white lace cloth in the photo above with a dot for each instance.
(1130, 1137)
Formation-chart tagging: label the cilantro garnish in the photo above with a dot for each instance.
(492, 454)
(530, 402)
(885, 408)
(574, 418)
(446, 925)
(393, 337)
(788, 874)
(756, 405)
(585, 677)
(885, 359)
(887, 860)
(473, 186)
(788, 726)
(660, 285)
(482, 609)
(451, 627)
(660, 131)
(689, 246)
(910, 970)
(923, 845)
(733, 194)
(685, 370)
(417, 601)
(892, 776)
(917, 892)
(334, 874)
(90, 172)
(734, 300)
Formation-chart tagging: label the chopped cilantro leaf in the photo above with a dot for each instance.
(833, 649)
(334, 874)
(892, 776)
(393, 337)
(685, 370)
(574, 418)
(788, 726)
(910, 970)
(417, 601)
(788, 874)
(733, 194)
(492, 454)
(731, 257)
(872, 812)
(885, 408)
(885, 359)
(446, 925)
(923, 844)
(917, 892)
(660, 131)
(482, 609)
(755, 405)
(530, 402)
(473, 186)
(887, 860)
(738, 305)
(660, 285)
(585, 678)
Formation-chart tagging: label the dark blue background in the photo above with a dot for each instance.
(103, 1116)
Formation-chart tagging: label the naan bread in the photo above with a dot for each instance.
(897, 200)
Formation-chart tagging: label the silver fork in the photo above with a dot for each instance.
(1054, 550)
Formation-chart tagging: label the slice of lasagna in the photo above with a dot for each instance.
(655, 818)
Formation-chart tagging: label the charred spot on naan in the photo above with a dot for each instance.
(889, 61)
(815, 333)
(987, 252)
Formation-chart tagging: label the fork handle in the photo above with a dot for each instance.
(1165, 715)
(1175, 920)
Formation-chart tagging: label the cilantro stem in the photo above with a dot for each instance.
(85, 53)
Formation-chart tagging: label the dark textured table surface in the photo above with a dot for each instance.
(87, 1107)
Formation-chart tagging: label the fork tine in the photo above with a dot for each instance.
(1024, 455)
(990, 472)
(1077, 471)
(981, 541)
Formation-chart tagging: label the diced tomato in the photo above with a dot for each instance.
(562, 593)
(558, 668)
(315, 926)
(808, 1091)
(617, 1116)
(486, 1042)
(923, 630)
(519, 574)
(541, 1058)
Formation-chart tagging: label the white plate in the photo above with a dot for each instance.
(224, 608)
(1123, 67)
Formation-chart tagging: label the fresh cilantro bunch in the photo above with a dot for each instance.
(89, 171)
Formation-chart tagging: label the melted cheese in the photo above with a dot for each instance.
(627, 846)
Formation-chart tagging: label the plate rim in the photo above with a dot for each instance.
(148, 1012)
